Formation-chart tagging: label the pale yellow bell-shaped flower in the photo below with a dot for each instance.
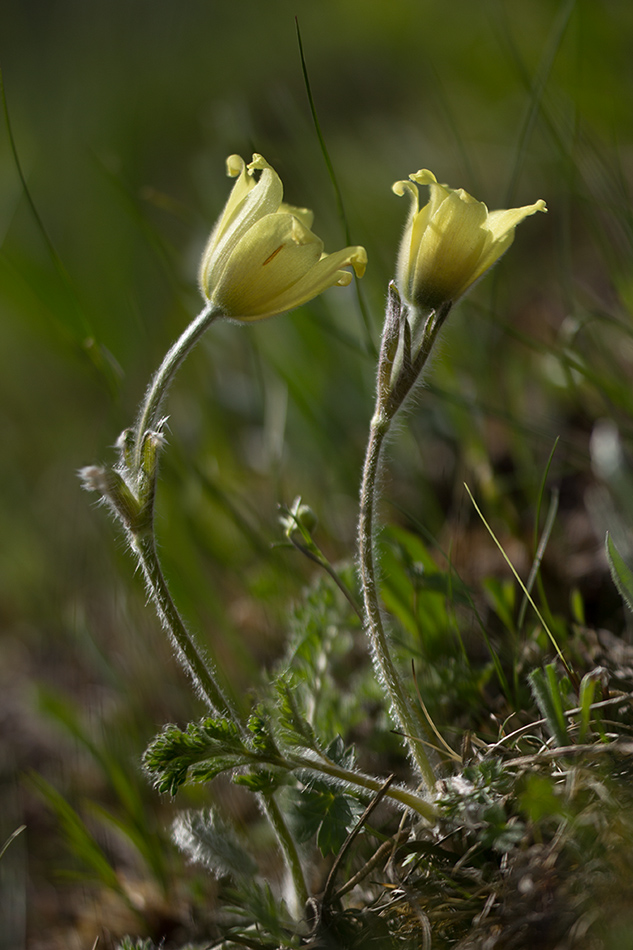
(451, 242)
(262, 258)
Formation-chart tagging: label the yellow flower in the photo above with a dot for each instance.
(262, 258)
(449, 243)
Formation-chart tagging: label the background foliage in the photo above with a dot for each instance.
(123, 114)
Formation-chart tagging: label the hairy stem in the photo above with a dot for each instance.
(149, 415)
(396, 378)
(349, 777)
(208, 688)
(385, 668)
(190, 657)
(288, 847)
(143, 543)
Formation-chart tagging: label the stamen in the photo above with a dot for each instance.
(273, 255)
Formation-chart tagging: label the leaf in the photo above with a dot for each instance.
(262, 736)
(18, 831)
(295, 728)
(326, 814)
(585, 699)
(345, 757)
(202, 751)
(264, 913)
(208, 839)
(260, 780)
(547, 694)
(621, 573)
(136, 943)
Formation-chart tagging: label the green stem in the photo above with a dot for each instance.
(394, 385)
(143, 542)
(287, 844)
(149, 416)
(385, 668)
(327, 767)
(208, 688)
(188, 653)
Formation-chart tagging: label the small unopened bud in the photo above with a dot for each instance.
(390, 340)
(299, 519)
(126, 443)
(114, 490)
(153, 442)
(94, 478)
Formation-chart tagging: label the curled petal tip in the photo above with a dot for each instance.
(235, 165)
(358, 260)
(423, 177)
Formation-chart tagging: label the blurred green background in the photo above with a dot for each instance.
(122, 115)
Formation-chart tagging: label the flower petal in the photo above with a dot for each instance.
(278, 266)
(247, 203)
(450, 248)
(501, 225)
(450, 242)
(274, 254)
(326, 273)
(500, 222)
(408, 245)
(303, 214)
(438, 193)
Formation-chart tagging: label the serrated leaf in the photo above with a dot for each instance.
(621, 573)
(345, 757)
(262, 780)
(296, 728)
(262, 736)
(208, 839)
(258, 906)
(325, 814)
(197, 754)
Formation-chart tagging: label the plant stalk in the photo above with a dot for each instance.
(348, 777)
(385, 668)
(149, 415)
(141, 470)
(189, 655)
(400, 365)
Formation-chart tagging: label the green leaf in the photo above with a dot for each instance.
(208, 839)
(264, 913)
(546, 690)
(135, 943)
(260, 780)
(539, 800)
(296, 730)
(202, 751)
(328, 815)
(621, 573)
(585, 699)
(262, 736)
(345, 757)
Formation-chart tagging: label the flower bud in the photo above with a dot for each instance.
(451, 242)
(262, 258)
